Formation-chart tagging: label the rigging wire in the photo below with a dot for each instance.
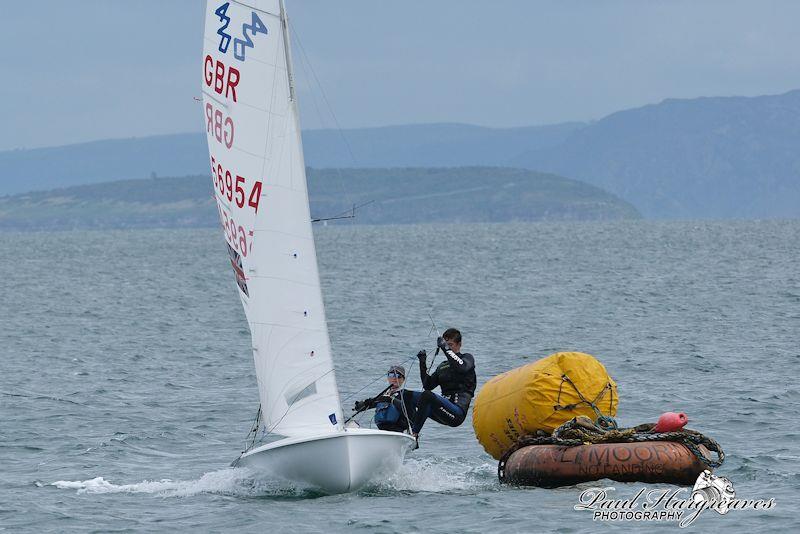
(405, 408)
(322, 92)
(311, 75)
(307, 81)
(438, 335)
(248, 443)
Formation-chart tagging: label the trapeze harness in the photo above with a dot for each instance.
(456, 377)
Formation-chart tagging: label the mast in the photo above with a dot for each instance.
(288, 51)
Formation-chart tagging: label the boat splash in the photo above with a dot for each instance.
(430, 475)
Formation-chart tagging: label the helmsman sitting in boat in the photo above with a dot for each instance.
(394, 405)
(456, 377)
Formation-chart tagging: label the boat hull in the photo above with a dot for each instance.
(556, 465)
(335, 462)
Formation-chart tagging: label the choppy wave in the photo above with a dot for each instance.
(149, 451)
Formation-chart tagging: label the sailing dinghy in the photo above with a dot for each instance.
(258, 173)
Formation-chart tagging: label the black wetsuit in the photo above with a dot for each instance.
(456, 377)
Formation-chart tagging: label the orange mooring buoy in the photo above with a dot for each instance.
(557, 465)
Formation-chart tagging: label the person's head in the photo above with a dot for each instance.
(453, 338)
(396, 376)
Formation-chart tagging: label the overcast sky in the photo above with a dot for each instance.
(81, 70)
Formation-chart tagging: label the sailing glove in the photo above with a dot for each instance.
(442, 344)
(360, 406)
(422, 355)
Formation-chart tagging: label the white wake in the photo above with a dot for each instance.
(225, 481)
(434, 475)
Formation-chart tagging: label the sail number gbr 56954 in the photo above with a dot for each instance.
(234, 187)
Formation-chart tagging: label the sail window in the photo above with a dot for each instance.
(307, 391)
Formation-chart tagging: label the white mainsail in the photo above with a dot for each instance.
(260, 188)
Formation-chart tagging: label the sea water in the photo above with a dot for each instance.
(127, 385)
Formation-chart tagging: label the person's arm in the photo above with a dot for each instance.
(463, 363)
(368, 404)
(428, 381)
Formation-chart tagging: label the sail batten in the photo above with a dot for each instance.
(259, 178)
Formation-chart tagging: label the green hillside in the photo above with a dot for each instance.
(395, 196)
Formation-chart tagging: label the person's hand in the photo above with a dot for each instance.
(422, 355)
(442, 344)
(360, 406)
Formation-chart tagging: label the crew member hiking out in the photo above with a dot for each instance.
(394, 405)
(456, 377)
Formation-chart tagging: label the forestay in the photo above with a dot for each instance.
(260, 188)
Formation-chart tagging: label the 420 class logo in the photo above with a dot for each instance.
(249, 31)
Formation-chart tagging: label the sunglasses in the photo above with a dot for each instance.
(395, 374)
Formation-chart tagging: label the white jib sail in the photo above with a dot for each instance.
(259, 182)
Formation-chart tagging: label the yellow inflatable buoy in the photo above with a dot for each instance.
(541, 396)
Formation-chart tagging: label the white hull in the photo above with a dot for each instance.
(334, 462)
